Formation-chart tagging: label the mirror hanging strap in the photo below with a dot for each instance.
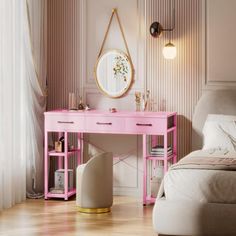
(114, 12)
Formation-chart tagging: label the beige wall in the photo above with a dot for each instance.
(218, 50)
(175, 85)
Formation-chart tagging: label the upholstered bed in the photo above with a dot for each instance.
(200, 201)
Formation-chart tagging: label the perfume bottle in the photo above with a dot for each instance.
(148, 105)
(143, 102)
(138, 100)
(72, 101)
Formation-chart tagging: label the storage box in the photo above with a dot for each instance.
(59, 179)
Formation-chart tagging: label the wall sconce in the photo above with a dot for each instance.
(156, 29)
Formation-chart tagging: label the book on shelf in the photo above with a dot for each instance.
(160, 147)
(160, 154)
(159, 150)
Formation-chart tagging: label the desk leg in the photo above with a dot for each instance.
(79, 153)
(60, 159)
(144, 169)
(165, 153)
(80, 147)
(154, 143)
(45, 164)
(66, 166)
(175, 139)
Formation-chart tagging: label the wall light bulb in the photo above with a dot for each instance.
(169, 51)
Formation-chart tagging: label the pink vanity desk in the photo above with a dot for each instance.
(121, 122)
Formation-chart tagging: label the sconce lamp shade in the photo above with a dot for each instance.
(169, 51)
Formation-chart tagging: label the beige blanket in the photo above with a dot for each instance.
(202, 176)
(207, 163)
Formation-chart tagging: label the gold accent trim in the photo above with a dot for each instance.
(115, 12)
(94, 210)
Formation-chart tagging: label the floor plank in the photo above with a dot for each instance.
(57, 217)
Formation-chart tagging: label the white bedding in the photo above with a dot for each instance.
(214, 186)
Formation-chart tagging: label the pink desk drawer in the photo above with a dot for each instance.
(105, 124)
(146, 125)
(64, 123)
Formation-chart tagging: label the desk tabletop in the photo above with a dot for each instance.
(108, 113)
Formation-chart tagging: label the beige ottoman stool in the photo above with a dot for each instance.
(94, 184)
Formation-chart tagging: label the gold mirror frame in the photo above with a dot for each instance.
(131, 79)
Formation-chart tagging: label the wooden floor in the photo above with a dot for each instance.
(58, 217)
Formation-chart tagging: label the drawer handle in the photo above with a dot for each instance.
(65, 122)
(138, 124)
(104, 123)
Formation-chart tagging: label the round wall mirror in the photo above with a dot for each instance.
(114, 73)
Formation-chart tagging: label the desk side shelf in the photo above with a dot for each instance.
(62, 195)
(161, 158)
(166, 157)
(62, 163)
(59, 154)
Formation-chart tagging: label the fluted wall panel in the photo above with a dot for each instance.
(175, 85)
(63, 51)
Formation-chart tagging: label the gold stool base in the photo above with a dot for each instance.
(94, 210)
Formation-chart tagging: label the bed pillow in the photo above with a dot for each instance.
(219, 132)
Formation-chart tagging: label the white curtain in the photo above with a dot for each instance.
(22, 102)
(36, 50)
